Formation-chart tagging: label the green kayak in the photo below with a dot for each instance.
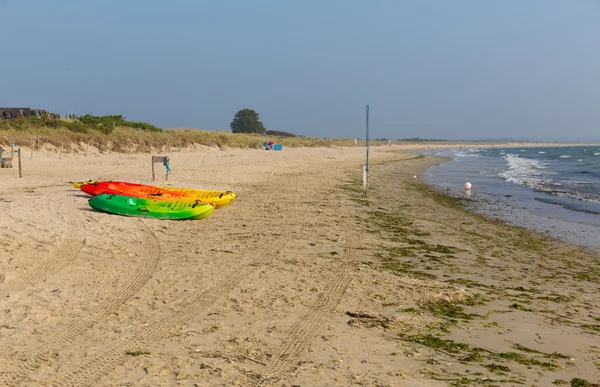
(150, 208)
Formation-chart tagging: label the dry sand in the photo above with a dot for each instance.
(302, 281)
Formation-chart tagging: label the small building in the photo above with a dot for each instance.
(14, 113)
(5, 114)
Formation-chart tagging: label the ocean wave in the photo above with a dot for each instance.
(565, 156)
(468, 153)
(524, 171)
(597, 154)
(541, 153)
(567, 205)
(579, 190)
(586, 197)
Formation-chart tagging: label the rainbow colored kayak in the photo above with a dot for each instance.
(218, 198)
(150, 208)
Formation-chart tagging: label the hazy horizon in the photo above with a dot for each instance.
(455, 70)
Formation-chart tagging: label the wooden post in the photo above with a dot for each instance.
(86, 147)
(159, 159)
(153, 177)
(19, 159)
(32, 146)
(60, 151)
(168, 147)
(110, 149)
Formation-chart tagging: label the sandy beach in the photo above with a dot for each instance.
(302, 281)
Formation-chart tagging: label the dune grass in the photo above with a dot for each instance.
(132, 140)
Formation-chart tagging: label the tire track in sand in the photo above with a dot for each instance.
(302, 333)
(95, 366)
(61, 338)
(67, 252)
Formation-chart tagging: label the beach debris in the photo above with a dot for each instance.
(371, 321)
(467, 186)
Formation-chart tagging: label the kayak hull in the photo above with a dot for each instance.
(150, 208)
(218, 198)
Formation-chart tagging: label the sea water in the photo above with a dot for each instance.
(555, 190)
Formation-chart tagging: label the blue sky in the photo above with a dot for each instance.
(453, 69)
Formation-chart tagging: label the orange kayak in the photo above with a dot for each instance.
(218, 198)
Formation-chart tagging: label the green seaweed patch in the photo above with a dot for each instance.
(442, 327)
(520, 307)
(524, 295)
(522, 289)
(589, 275)
(420, 233)
(407, 268)
(577, 382)
(408, 310)
(558, 298)
(402, 251)
(468, 283)
(473, 356)
(526, 360)
(593, 327)
(497, 368)
(436, 343)
(416, 242)
(526, 240)
(525, 349)
(443, 249)
(553, 355)
(464, 381)
(439, 197)
(448, 309)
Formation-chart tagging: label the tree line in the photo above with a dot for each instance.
(248, 121)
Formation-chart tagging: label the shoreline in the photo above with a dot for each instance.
(515, 204)
(523, 285)
(300, 280)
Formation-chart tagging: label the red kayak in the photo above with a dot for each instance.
(219, 198)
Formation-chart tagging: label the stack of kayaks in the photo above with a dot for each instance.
(133, 199)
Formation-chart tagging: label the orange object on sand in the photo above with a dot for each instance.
(218, 198)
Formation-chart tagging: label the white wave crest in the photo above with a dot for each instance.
(565, 156)
(525, 171)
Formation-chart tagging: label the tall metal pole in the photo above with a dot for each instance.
(367, 139)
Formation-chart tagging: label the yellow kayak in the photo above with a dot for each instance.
(218, 198)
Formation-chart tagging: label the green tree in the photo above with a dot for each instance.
(247, 121)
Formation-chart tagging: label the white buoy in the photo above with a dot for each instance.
(467, 186)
